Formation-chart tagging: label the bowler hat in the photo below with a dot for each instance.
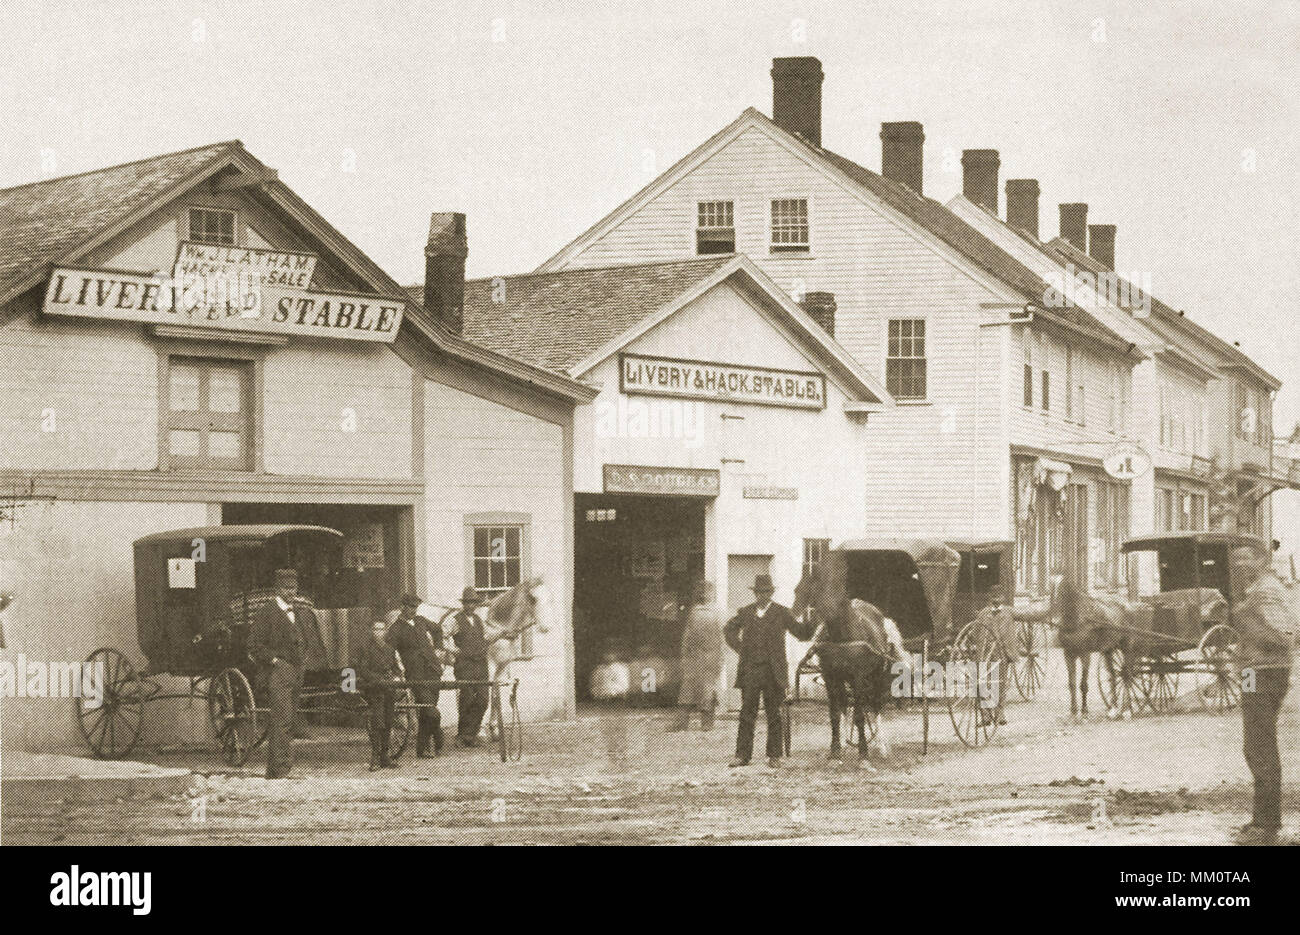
(762, 583)
(470, 596)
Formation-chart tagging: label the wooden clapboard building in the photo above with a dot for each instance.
(185, 342)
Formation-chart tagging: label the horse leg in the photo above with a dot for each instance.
(1085, 661)
(860, 721)
(1069, 666)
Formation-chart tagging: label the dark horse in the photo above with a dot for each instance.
(856, 647)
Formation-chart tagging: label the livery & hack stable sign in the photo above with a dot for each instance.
(732, 383)
(238, 302)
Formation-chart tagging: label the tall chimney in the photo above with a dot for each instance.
(1101, 244)
(1022, 204)
(444, 270)
(979, 177)
(900, 153)
(797, 96)
(820, 307)
(1074, 224)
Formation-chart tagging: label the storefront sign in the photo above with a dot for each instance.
(269, 309)
(269, 267)
(682, 482)
(771, 493)
(698, 379)
(1126, 460)
(364, 547)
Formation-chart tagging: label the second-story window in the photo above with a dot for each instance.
(1047, 392)
(208, 225)
(1069, 382)
(1029, 371)
(905, 359)
(790, 225)
(715, 230)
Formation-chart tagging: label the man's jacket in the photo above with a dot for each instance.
(760, 642)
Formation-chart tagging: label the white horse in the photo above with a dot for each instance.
(528, 604)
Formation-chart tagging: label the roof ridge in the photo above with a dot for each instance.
(719, 258)
(123, 165)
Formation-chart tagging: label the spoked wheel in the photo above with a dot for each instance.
(403, 723)
(1115, 682)
(978, 688)
(1031, 663)
(1158, 682)
(1218, 676)
(112, 727)
(233, 716)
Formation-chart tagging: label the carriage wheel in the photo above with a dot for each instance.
(1218, 677)
(399, 731)
(870, 719)
(112, 727)
(1158, 682)
(233, 716)
(976, 679)
(1115, 681)
(1031, 663)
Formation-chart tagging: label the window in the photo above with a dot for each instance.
(208, 413)
(1081, 406)
(1246, 416)
(1029, 372)
(498, 566)
(1069, 382)
(1047, 392)
(212, 226)
(1112, 398)
(1264, 420)
(602, 515)
(814, 553)
(790, 225)
(905, 358)
(715, 228)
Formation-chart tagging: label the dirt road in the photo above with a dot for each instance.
(622, 778)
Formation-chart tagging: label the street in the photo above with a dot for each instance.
(621, 778)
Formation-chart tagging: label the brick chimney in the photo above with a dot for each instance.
(1074, 225)
(1022, 204)
(979, 177)
(900, 153)
(820, 307)
(797, 96)
(1101, 244)
(444, 270)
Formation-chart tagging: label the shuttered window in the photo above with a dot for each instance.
(209, 422)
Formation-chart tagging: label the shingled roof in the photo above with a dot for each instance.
(43, 221)
(554, 320)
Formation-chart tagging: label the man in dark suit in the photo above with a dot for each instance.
(418, 642)
(276, 645)
(757, 634)
(470, 638)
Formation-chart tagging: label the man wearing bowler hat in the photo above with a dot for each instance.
(276, 645)
(470, 639)
(418, 642)
(757, 634)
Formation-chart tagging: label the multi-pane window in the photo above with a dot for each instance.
(208, 414)
(498, 566)
(814, 553)
(208, 225)
(790, 225)
(716, 227)
(905, 358)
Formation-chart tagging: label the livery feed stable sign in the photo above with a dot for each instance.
(227, 299)
(729, 383)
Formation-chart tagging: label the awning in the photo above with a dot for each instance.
(1055, 474)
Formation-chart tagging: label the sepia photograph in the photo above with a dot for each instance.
(786, 423)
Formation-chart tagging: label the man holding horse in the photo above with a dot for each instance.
(1262, 615)
(757, 634)
(471, 641)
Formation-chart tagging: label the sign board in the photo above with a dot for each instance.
(180, 573)
(731, 383)
(682, 482)
(201, 261)
(268, 309)
(1126, 460)
(364, 546)
(771, 493)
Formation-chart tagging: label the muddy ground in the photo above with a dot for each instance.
(620, 777)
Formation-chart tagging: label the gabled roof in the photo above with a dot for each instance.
(59, 221)
(570, 320)
(925, 212)
(1172, 325)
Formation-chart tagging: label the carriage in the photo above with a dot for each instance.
(934, 590)
(197, 592)
(1181, 625)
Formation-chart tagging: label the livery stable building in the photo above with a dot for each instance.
(184, 343)
(728, 439)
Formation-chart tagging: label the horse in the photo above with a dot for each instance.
(1081, 633)
(856, 647)
(526, 605)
